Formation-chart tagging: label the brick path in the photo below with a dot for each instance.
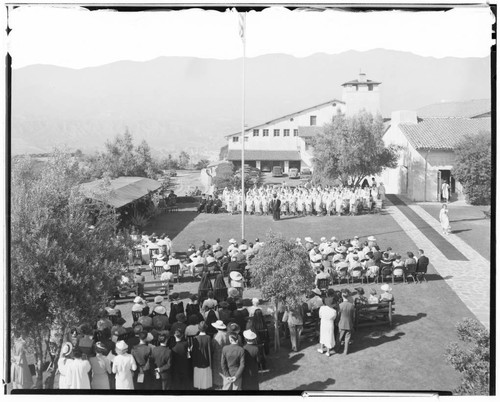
(468, 274)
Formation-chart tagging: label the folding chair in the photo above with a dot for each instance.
(410, 272)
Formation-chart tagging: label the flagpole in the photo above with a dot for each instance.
(243, 34)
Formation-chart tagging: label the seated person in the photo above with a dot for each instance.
(398, 262)
(355, 263)
(373, 298)
(217, 205)
(172, 198)
(173, 261)
(210, 302)
(411, 260)
(320, 274)
(386, 296)
(203, 203)
(360, 297)
(209, 205)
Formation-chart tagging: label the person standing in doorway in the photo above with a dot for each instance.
(445, 191)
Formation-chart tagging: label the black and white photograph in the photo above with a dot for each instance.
(264, 198)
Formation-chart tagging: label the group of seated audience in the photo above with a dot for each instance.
(216, 344)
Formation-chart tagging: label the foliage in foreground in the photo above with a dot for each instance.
(62, 267)
(351, 148)
(472, 359)
(473, 168)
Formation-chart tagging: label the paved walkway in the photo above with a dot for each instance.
(467, 273)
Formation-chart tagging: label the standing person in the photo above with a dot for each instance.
(444, 219)
(123, 366)
(233, 364)
(176, 307)
(327, 315)
(422, 263)
(381, 193)
(295, 320)
(63, 364)
(78, 372)
(21, 374)
(181, 365)
(219, 340)
(445, 191)
(142, 354)
(101, 367)
(346, 322)
(202, 358)
(276, 207)
(250, 376)
(161, 358)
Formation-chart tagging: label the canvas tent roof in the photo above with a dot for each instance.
(123, 190)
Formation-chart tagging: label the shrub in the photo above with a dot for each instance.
(472, 358)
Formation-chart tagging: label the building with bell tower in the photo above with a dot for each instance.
(361, 94)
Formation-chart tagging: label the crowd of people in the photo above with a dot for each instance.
(209, 345)
(301, 200)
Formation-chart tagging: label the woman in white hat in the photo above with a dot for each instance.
(250, 376)
(237, 282)
(220, 340)
(63, 365)
(386, 295)
(123, 366)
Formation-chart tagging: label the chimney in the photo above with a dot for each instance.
(404, 116)
(362, 77)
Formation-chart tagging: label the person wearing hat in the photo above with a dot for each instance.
(315, 301)
(101, 367)
(160, 318)
(373, 298)
(220, 340)
(202, 358)
(63, 364)
(166, 277)
(309, 244)
(180, 323)
(181, 364)
(193, 308)
(233, 364)
(134, 340)
(232, 246)
(210, 302)
(322, 245)
(334, 243)
(237, 281)
(255, 306)
(142, 354)
(250, 376)
(161, 359)
(123, 366)
(355, 241)
(327, 315)
(145, 320)
(346, 322)
(78, 371)
(176, 307)
(386, 296)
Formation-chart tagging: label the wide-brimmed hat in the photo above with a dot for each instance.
(350, 249)
(210, 259)
(316, 291)
(333, 238)
(138, 299)
(160, 310)
(341, 249)
(137, 307)
(309, 240)
(219, 325)
(243, 247)
(356, 237)
(249, 334)
(159, 299)
(233, 327)
(322, 240)
(166, 267)
(235, 276)
(66, 349)
(385, 287)
(121, 347)
(371, 238)
(232, 241)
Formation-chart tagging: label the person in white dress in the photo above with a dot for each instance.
(78, 371)
(101, 368)
(444, 219)
(123, 366)
(327, 315)
(63, 365)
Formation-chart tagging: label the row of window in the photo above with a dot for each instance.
(276, 132)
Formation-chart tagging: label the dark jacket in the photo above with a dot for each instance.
(422, 263)
(233, 361)
(250, 377)
(346, 321)
(202, 351)
(161, 357)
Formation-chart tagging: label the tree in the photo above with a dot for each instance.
(201, 164)
(62, 269)
(351, 148)
(282, 272)
(473, 167)
(169, 163)
(183, 160)
(472, 360)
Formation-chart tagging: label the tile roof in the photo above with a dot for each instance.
(471, 108)
(442, 133)
(123, 190)
(263, 155)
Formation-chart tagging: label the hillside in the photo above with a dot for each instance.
(189, 103)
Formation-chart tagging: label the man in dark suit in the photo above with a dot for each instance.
(217, 204)
(209, 205)
(161, 357)
(422, 263)
(346, 322)
(181, 366)
(203, 203)
(276, 207)
(233, 364)
(142, 353)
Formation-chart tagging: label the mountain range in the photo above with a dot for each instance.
(187, 103)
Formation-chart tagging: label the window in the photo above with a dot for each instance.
(256, 132)
(276, 132)
(265, 132)
(246, 139)
(236, 139)
(313, 120)
(286, 132)
(370, 87)
(295, 132)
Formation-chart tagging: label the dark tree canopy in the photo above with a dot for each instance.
(473, 167)
(351, 148)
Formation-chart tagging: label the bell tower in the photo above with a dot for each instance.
(361, 94)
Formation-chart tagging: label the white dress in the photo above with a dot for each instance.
(63, 368)
(327, 324)
(78, 374)
(123, 365)
(444, 219)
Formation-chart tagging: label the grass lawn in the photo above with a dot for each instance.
(409, 356)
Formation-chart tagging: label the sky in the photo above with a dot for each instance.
(77, 38)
